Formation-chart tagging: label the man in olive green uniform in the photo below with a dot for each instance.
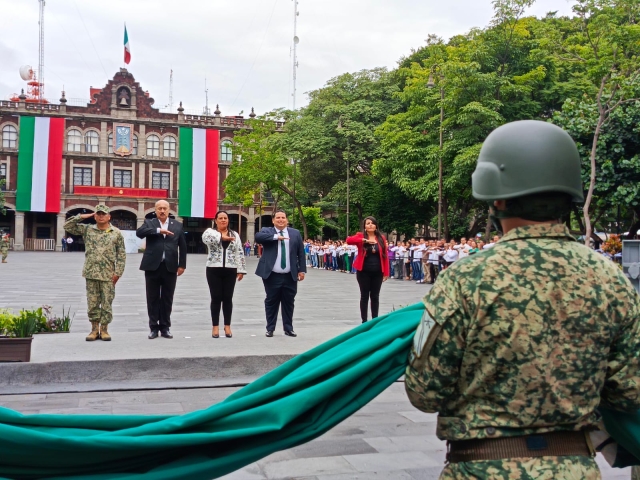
(532, 335)
(4, 247)
(105, 257)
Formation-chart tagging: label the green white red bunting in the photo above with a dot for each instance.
(40, 164)
(199, 158)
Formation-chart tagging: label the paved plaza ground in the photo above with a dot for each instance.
(387, 440)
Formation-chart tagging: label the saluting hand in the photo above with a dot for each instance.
(84, 216)
(165, 232)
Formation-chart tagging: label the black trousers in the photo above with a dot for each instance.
(222, 283)
(161, 284)
(370, 284)
(281, 291)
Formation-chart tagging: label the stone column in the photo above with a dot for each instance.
(18, 240)
(60, 231)
(251, 224)
(140, 218)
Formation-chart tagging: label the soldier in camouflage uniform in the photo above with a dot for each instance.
(4, 247)
(105, 258)
(532, 335)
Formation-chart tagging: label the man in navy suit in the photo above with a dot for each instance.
(164, 260)
(281, 266)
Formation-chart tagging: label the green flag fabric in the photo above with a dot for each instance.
(291, 405)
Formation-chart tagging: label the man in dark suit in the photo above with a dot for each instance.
(164, 260)
(281, 266)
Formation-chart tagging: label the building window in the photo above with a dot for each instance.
(3, 176)
(91, 142)
(134, 150)
(153, 146)
(9, 137)
(169, 146)
(160, 180)
(122, 178)
(225, 151)
(111, 143)
(74, 141)
(82, 176)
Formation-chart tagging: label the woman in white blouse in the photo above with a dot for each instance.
(225, 264)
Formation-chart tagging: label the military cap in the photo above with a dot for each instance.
(102, 208)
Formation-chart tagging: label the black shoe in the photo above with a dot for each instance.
(290, 333)
(153, 334)
(269, 333)
(166, 333)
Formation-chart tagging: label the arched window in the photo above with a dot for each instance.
(153, 146)
(169, 146)
(74, 141)
(134, 149)
(111, 142)
(9, 137)
(91, 142)
(225, 151)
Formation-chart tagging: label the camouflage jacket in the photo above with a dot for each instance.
(105, 254)
(4, 244)
(530, 336)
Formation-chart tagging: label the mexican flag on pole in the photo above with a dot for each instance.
(199, 157)
(127, 47)
(40, 164)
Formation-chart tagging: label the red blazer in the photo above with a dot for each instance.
(357, 264)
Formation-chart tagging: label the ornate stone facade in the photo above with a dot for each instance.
(93, 173)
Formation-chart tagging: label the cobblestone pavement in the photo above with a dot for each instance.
(388, 439)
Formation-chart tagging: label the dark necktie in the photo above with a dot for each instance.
(283, 252)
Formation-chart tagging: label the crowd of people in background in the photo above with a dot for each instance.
(417, 259)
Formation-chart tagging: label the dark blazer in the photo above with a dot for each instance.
(270, 252)
(174, 246)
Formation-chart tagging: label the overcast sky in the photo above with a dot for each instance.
(242, 47)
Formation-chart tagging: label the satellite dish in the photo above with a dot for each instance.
(26, 72)
(296, 40)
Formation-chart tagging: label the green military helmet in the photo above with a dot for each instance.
(527, 157)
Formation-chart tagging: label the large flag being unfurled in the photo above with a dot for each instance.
(40, 164)
(127, 47)
(199, 157)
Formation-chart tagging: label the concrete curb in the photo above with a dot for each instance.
(135, 374)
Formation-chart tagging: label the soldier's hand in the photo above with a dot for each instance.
(84, 216)
(115, 279)
(180, 271)
(165, 232)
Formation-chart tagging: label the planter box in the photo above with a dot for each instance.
(15, 349)
(48, 333)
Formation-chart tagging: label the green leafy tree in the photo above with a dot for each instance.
(260, 162)
(603, 43)
(314, 220)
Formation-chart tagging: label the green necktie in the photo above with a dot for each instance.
(283, 252)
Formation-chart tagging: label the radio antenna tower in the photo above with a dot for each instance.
(171, 91)
(41, 53)
(206, 99)
(296, 40)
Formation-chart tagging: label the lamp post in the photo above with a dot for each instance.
(430, 85)
(348, 168)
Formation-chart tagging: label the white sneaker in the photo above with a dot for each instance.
(420, 281)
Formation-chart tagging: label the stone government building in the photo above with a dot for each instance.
(92, 173)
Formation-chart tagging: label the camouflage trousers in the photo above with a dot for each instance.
(542, 468)
(99, 299)
(4, 252)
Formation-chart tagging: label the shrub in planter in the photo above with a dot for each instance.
(16, 346)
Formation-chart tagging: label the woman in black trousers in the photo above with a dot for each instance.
(371, 264)
(225, 264)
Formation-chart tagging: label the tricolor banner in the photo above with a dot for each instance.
(40, 164)
(127, 47)
(199, 157)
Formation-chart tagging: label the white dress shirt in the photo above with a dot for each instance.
(276, 267)
(163, 226)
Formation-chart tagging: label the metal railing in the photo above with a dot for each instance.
(39, 244)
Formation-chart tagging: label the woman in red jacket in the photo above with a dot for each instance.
(371, 264)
